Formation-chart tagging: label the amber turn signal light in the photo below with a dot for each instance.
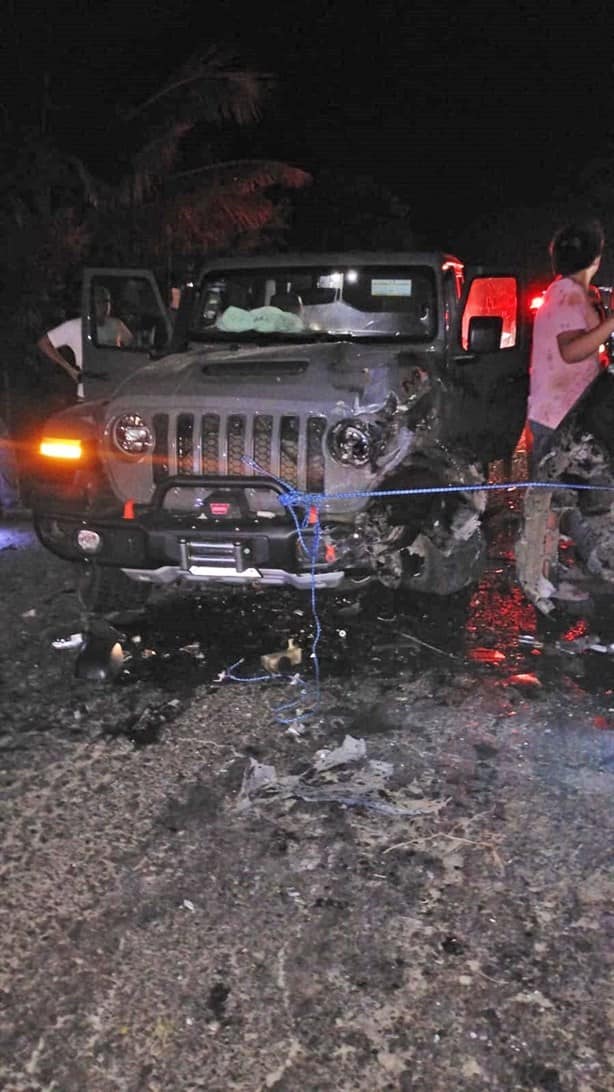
(58, 448)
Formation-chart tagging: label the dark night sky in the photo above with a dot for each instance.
(458, 109)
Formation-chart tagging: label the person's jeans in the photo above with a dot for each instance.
(542, 439)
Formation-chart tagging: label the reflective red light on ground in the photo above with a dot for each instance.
(486, 655)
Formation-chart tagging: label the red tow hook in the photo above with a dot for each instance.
(129, 510)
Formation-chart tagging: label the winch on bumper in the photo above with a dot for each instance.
(216, 530)
(221, 535)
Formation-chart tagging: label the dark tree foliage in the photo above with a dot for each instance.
(159, 207)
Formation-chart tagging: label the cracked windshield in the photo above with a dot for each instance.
(362, 301)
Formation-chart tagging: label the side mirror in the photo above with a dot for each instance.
(485, 333)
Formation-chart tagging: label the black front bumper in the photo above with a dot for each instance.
(153, 537)
(147, 542)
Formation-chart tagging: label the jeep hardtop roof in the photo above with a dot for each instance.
(435, 258)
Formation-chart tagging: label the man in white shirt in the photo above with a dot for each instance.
(69, 335)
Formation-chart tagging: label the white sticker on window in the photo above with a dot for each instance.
(330, 280)
(390, 287)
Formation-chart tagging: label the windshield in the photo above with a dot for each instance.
(364, 301)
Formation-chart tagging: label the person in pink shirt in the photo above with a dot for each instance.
(567, 335)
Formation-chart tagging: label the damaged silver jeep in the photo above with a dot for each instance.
(251, 442)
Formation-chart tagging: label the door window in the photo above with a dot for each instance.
(125, 314)
(496, 297)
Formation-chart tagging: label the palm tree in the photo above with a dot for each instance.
(57, 214)
(160, 205)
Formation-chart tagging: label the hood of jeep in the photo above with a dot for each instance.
(320, 374)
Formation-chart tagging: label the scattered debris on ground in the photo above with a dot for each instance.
(410, 890)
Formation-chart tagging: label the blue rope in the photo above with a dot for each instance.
(228, 674)
(293, 498)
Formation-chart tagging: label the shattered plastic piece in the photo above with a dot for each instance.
(101, 657)
(351, 750)
(364, 786)
(257, 776)
(523, 679)
(188, 904)
(486, 655)
(296, 729)
(465, 524)
(29, 613)
(530, 641)
(273, 661)
(75, 640)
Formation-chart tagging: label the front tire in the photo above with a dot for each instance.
(103, 590)
(446, 572)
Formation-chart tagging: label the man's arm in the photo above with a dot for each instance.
(124, 335)
(577, 345)
(53, 354)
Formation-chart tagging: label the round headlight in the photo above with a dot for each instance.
(351, 442)
(131, 435)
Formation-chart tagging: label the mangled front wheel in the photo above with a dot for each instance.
(102, 590)
(443, 570)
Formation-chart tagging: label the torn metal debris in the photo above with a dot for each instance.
(363, 784)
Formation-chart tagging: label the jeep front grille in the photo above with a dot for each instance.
(161, 469)
(286, 446)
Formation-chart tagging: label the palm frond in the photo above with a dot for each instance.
(209, 87)
(249, 173)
